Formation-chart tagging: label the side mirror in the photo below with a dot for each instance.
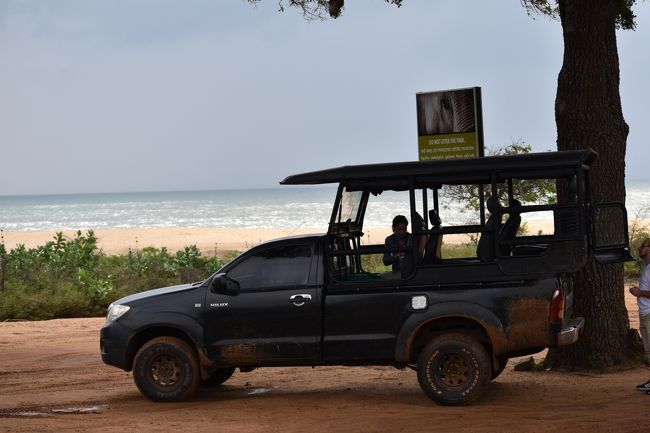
(224, 285)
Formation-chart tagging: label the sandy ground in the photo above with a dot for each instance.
(53, 380)
(208, 240)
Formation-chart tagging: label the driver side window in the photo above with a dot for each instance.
(279, 267)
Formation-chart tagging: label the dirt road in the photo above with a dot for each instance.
(53, 380)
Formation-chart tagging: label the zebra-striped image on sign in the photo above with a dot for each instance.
(450, 124)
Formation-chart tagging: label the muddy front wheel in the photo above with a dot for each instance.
(166, 369)
(454, 369)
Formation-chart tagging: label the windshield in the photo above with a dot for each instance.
(350, 203)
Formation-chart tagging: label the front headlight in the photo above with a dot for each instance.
(115, 312)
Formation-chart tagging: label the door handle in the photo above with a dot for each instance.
(299, 300)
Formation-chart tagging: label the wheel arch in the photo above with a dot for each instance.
(192, 335)
(468, 318)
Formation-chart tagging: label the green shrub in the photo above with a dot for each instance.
(374, 263)
(637, 233)
(458, 251)
(73, 278)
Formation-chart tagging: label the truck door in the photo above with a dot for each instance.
(271, 312)
(361, 323)
(609, 237)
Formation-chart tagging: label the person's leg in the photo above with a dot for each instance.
(644, 328)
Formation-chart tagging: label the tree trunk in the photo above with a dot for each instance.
(588, 114)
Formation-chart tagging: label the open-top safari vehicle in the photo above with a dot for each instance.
(323, 300)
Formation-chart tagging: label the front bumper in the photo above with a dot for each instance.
(570, 331)
(113, 344)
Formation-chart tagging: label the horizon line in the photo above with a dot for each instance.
(279, 187)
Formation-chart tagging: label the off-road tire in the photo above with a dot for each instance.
(218, 376)
(453, 369)
(166, 369)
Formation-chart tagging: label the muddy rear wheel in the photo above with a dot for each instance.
(453, 369)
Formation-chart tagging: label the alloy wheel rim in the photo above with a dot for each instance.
(165, 370)
(453, 370)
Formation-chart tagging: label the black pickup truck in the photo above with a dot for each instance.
(328, 299)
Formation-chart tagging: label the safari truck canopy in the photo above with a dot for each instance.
(493, 184)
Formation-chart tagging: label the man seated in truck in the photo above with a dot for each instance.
(400, 239)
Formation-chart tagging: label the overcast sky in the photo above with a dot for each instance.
(157, 95)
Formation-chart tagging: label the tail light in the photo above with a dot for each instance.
(556, 313)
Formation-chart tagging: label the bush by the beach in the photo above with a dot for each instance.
(637, 232)
(73, 278)
(637, 235)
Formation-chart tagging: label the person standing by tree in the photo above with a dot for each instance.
(642, 293)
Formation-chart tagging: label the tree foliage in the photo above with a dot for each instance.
(530, 191)
(625, 18)
(321, 9)
(318, 9)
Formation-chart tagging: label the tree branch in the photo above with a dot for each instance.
(319, 9)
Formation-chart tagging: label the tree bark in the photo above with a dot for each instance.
(588, 114)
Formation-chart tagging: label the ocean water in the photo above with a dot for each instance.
(255, 208)
(285, 208)
(637, 201)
